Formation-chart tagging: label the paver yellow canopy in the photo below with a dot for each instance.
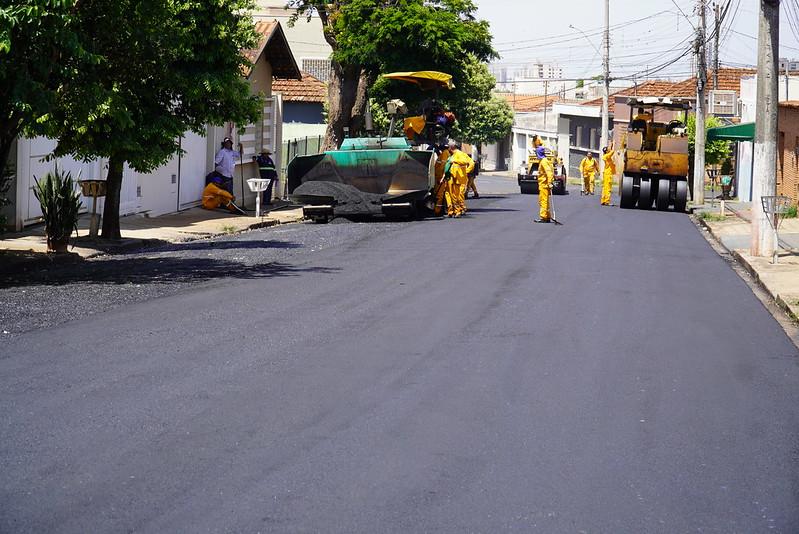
(426, 79)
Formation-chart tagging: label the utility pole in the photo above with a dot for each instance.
(603, 141)
(717, 21)
(765, 162)
(699, 140)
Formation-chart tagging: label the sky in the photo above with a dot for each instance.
(645, 34)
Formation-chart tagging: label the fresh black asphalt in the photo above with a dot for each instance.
(487, 374)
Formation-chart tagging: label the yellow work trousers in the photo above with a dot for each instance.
(456, 206)
(440, 194)
(607, 185)
(588, 183)
(543, 201)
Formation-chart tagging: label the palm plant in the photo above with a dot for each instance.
(58, 195)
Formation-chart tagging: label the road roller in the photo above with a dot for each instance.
(655, 148)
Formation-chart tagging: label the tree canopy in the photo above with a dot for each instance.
(715, 151)
(369, 37)
(167, 67)
(38, 42)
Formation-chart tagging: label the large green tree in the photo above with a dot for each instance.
(482, 118)
(160, 68)
(369, 37)
(37, 42)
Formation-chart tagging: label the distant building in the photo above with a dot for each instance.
(791, 64)
(535, 78)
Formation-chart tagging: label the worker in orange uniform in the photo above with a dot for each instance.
(546, 177)
(607, 174)
(442, 183)
(589, 167)
(460, 165)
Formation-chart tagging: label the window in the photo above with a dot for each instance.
(578, 137)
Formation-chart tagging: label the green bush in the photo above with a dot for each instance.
(58, 195)
(791, 214)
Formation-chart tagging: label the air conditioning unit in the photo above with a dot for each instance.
(723, 103)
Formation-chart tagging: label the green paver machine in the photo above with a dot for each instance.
(368, 175)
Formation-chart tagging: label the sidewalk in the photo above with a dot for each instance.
(139, 231)
(733, 231)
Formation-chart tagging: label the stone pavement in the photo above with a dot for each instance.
(139, 231)
(733, 231)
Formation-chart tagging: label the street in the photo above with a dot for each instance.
(483, 374)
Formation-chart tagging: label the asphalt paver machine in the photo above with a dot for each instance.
(655, 149)
(372, 175)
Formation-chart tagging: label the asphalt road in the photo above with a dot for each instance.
(478, 375)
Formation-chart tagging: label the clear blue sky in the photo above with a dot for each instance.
(521, 35)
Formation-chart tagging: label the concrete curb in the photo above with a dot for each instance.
(744, 263)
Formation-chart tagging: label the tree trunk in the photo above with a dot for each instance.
(341, 94)
(358, 118)
(113, 191)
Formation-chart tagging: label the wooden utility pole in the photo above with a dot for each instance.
(699, 138)
(764, 181)
(603, 141)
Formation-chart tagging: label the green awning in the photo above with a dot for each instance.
(736, 132)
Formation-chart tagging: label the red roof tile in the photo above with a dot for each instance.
(309, 89)
(272, 42)
(729, 80)
(528, 103)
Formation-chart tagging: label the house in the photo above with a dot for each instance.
(179, 183)
(788, 150)
(788, 87)
(303, 106)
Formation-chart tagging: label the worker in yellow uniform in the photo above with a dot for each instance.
(607, 174)
(589, 167)
(442, 183)
(460, 165)
(546, 177)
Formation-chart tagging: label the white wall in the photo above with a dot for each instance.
(748, 98)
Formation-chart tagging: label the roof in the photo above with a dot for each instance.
(272, 43)
(650, 88)
(528, 103)
(309, 89)
(729, 80)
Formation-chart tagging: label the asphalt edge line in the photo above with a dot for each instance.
(773, 303)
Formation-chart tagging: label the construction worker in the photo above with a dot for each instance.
(472, 175)
(442, 184)
(460, 165)
(546, 177)
(589, 167)
(607, 174)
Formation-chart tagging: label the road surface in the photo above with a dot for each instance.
(478, 375)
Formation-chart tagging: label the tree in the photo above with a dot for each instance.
(37, 42)
(715, 151)
(486, 121)
(373, 36)
(161, 68)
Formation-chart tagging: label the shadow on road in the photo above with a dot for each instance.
(224, 245)
(161, 270)
(488, 210)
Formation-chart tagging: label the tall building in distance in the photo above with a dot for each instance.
(534, 78)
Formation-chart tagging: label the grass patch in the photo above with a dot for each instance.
(229, 229)
(711, 217)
